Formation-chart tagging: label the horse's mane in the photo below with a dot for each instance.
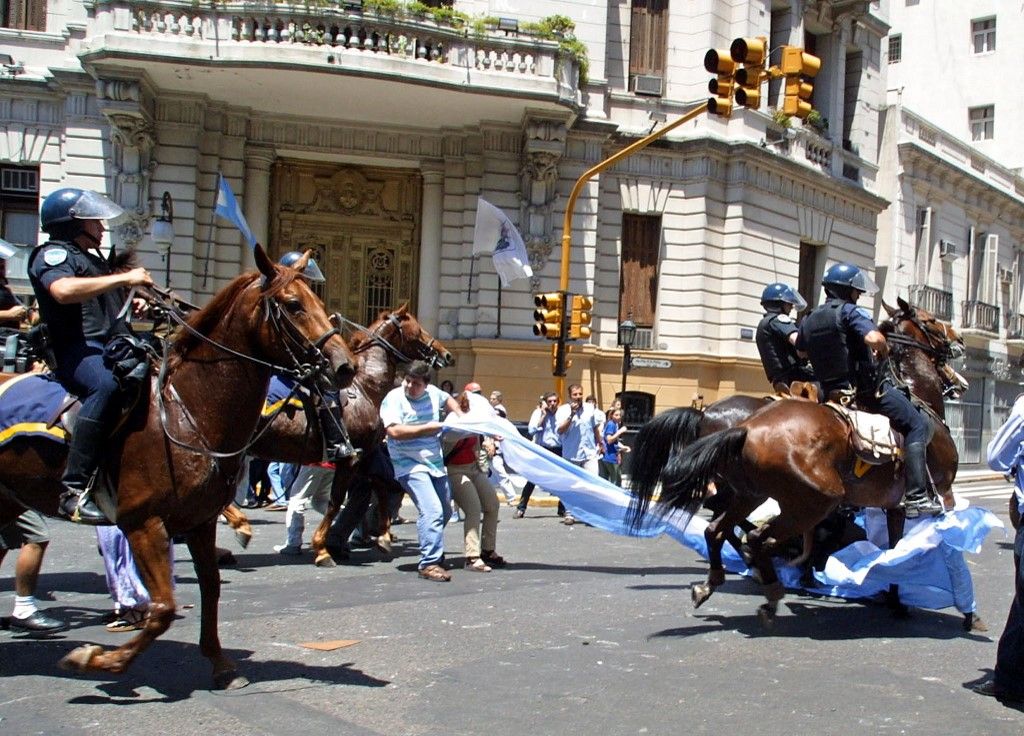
(209, 316)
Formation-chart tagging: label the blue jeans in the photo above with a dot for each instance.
(1009, 677)
(433, 498)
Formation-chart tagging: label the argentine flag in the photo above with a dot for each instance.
(227, 207)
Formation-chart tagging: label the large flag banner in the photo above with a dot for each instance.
(7, 249)
(494, 233)
(227, 207)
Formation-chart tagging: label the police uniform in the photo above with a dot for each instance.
(8, 301)
(832, 336)
(778, 356)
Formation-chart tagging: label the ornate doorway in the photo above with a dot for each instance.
(363, 225)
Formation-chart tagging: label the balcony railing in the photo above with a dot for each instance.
(981, 316)
(336, 30)
(936, 301)
(1015, 327)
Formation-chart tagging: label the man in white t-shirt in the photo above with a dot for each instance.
(412, 420)
(581, 434)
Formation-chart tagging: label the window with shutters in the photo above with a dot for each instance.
(23, 15)
(638, 281)
(648, 41)
(19, 217)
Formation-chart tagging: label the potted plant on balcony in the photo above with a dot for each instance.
(817, 123)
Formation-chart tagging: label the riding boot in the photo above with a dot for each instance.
(83, 458)
(917, 499)
(337, 445)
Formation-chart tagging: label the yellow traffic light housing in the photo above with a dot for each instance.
(720, 64)
(797, 65)
(579, 320)
(753, 54)
(550, 315)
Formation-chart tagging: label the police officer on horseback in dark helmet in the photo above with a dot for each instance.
(79, 301)
(337, 445)
(842, 343)
(776, 337)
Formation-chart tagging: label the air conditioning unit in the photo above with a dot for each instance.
(1005, 275)
(948, 251)
(647, 84)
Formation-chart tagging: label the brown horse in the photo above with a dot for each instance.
(176, 459)
(799, 453)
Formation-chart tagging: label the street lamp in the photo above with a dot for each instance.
(627, 333)
(163, 234)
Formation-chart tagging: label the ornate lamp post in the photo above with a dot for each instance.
(627, 333)
(163, 234)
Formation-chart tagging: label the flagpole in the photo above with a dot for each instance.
(499, 309)
(209, 246)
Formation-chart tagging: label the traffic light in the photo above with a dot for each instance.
(752, 53)
(579, 319)
(550, 315)
(797, 66)
(558, 361)
(720, 64)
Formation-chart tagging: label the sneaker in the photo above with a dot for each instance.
(288, 549)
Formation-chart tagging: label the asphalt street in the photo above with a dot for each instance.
(584, 633)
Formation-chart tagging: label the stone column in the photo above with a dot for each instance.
(256, 202)
(430, 246)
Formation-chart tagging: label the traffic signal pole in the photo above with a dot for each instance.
(632, 148)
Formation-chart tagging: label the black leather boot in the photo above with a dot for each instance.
(917, 499)
(83, 458)
(337, 445)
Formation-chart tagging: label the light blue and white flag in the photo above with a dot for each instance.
(927, 563)
(228, 208)
(494, 233)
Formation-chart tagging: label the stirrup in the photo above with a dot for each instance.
(77, 507)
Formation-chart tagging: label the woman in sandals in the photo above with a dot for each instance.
(474, 493)
(411, 415)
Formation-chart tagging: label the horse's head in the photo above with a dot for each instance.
(914, 327)
(294, 330)
(404, 333)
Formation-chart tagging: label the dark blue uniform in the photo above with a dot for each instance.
(778, 356)
(833, 338)
(79, 332)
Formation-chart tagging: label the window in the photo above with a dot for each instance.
(984, 33)
(648, 41)
(808, 280)
(19, 216)
(982, 122)
(23, 15)
(923, 254)
(895, 48)
(638, 281)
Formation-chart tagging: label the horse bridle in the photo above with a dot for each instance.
(941, 350)
(305, 373)
(424, 351)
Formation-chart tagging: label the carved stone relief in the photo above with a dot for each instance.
(544, 142)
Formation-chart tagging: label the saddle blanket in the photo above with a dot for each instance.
(874, 439)
(28, 404)
(281, 391)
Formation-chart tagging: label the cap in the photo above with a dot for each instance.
(473, 387)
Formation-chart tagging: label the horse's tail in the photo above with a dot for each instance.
(656, 442)
(685, 479)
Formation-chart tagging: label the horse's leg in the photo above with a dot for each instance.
(204, 559)
(151, 549)
(895, 521)
(339, 488)
(763, 543)
(238, 521)
(384, 540)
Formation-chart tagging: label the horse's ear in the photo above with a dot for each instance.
(892, 311)
(300, 265)
(403, 309)
(903, 305)
(263, 262)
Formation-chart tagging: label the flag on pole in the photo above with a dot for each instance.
(494, 233)
(227, 207)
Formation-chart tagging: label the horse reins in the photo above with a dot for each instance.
(375, 337)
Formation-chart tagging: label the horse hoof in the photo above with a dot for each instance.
(699, 593)
(243, 539)
(766, 615)
(973, 622)
(77, 660)
(324, 560)
(384, 546)
(229, 680)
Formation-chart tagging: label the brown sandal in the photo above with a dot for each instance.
(476, 564)
(493, 559)
(436, 573)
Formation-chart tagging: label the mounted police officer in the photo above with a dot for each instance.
(337, 445)
(776, 337)
(79, 300)
(842, 341)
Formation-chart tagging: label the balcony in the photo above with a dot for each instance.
(981, 316)
(329, 61)
(936, 301)
(1015, 327)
